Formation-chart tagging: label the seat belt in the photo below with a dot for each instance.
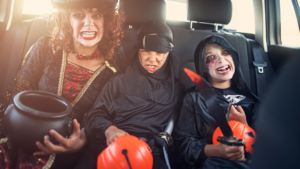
(166, 135)
(17, 52)
(260, 65)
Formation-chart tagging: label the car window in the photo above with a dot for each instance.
(38, 7)
(242, 18)
(176, 10)
(290, 35)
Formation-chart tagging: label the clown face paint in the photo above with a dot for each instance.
(88, 27)
(219, 65)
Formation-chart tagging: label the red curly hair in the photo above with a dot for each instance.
(60, 27)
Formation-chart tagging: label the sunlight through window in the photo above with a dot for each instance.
(242, 18)
(38, 7)
(289, 26)
(176, 10)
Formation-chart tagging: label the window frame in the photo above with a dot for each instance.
(297, 11)
(273, 22)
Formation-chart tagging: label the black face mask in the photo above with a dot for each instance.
(155, 36)
(154, 42)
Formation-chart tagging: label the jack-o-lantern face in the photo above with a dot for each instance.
(127, 152)
(240, 131)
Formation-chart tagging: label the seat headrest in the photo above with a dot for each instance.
(210, 11)
(2, 29)
(139, 12)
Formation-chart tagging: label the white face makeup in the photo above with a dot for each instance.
(151, 60)
(219, 65)
(88, 27)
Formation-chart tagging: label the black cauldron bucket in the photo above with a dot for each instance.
(33, 115)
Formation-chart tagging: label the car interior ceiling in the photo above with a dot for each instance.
(16, 42)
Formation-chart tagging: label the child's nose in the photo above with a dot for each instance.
(88, 21)
(220, 58)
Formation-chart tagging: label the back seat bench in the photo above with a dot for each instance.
(139, 12)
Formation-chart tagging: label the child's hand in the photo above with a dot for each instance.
(112, 133)
(237, 114)
(234, 153)
(66, 145)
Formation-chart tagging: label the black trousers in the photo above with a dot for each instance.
(159, 162)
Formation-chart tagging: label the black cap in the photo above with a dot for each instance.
(80, 3)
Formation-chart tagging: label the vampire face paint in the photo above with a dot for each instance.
(151, 60)
(219, 65)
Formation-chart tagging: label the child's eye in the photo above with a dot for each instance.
(98, 15)
(209, 59)
(226, 52)
(77, 15)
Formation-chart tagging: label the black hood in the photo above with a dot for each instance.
(155, 36)
(238, 79)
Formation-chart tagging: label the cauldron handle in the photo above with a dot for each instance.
(70, 124)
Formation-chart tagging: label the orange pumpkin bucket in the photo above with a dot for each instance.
(127, 152)
(240, 131)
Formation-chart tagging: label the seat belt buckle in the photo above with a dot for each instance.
(260, 66)
(167, 137)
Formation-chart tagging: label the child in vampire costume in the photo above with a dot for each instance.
(136, 101)
(194, 128)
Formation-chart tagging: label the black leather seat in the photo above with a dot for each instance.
(15, 44)
(137, 13)
(17, 41)
(186, 39)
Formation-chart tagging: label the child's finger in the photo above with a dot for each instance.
(239, 109)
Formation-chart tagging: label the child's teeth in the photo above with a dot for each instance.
(221, 69)
(88, 34)
(224, 69)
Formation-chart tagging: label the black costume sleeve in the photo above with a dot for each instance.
(100, 116)
(27, 77)
(190, 131)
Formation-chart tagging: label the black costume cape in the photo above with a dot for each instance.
(194, 129)
(136, 101)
